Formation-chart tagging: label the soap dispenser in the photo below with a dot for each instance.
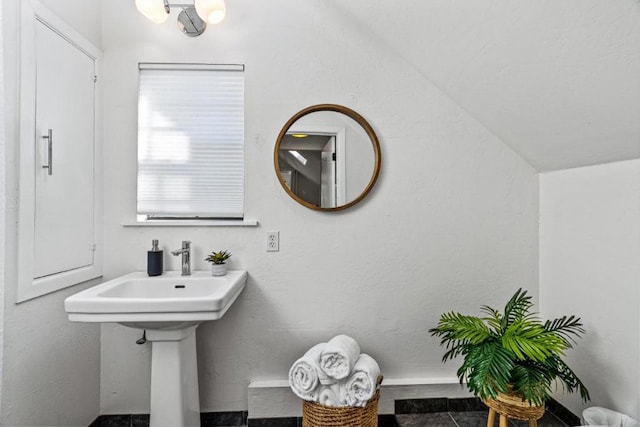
(154, 260)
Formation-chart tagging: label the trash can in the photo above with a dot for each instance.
(596, 416)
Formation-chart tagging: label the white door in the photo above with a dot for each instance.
(64, 194)
(328, 175)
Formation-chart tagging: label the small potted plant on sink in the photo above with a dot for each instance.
(511, 357)
(217, 260)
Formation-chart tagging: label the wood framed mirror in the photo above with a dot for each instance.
(327, 157)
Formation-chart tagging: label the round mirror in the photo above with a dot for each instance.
(327, 157)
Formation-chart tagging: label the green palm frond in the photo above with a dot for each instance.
(516, 308)
(487, 369)
(567, 327)
(567, 378)
(493, 318)
(529, 340)
(532, 381)
(458, 327)
(455, 350)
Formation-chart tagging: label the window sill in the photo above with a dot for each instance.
(190, 223)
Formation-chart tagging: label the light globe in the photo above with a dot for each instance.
(154, 10)
(211, 11)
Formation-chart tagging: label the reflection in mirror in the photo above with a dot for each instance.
(327, 157)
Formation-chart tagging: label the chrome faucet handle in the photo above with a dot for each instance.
(185, 251)
(186, 246)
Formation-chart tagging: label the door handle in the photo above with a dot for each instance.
(49, 165)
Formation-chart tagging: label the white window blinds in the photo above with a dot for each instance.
(191, 141)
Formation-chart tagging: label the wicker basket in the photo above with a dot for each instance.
(513, 406)
(317, 415)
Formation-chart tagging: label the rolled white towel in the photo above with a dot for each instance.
(362, 384)
(329, 395)
(339, 356)
(303, 375)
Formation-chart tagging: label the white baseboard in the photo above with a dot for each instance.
(274, 398)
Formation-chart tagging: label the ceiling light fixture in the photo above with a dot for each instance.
(193, 18)
(155, 10)
(299, 157)
(212, 11)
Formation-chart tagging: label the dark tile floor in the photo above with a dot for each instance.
(444, 412)
(437, 419)
(466, 419)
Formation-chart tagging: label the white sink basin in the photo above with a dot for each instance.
(166, 302)
(169, 307)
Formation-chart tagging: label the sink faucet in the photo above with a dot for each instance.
(185, 251)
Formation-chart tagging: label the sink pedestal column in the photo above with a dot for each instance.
(174, 378)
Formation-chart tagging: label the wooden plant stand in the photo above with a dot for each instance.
(511, 405)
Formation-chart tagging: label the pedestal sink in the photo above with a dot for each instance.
(170, 308)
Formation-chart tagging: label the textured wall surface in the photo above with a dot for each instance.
(2, 200)
(50, 366)
(589, 251)
(451, 224)
(559, 82)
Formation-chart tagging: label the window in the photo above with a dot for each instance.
(191, 141)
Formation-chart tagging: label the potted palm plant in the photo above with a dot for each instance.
(511, 353)
(217, 260)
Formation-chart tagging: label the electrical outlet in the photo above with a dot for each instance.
(273, 241)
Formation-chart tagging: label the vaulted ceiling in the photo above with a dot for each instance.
(557, 80)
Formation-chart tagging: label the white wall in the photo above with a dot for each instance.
(589, 252)
(84, 16)
(2, 201)
(451, 224)
(50, 366)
